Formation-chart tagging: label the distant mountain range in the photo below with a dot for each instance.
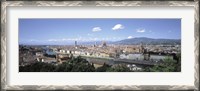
(138, 40)
(151, 41)
(132, 41)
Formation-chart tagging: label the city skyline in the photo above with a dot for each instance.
(66, 31)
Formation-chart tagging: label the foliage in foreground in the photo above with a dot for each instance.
(168, 65)
(82, 65)
(74, 65)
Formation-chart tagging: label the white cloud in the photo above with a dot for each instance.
(64, 39)
(53, 40)
(96, 29)
(129, 37)
(118, 27)
(72, 39)
(95, 39)
(83, 39)
(140, 30)
(59, 40)
(33, 40)
(119, 38)
(90, 34)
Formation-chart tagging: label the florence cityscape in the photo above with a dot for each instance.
(99, 45)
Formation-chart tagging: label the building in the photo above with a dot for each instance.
(63, 57)
(132, 56)
(103, 44)
(50, 52)
(46, 60)
(133, 67)
(75, 44)
(39, 54)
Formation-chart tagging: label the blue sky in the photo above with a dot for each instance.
(59, 31)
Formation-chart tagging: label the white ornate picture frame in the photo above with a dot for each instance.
(4, 38)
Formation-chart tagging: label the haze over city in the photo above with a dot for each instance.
(66, 31)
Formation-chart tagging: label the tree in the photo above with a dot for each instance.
(74, 65)
(178, 64)
(168, 65)
(37, 67)
(119, 68)
(81, 65)
(104, 68)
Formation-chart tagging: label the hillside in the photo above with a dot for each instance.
(145, 40)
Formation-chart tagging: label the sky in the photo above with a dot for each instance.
(66, 31)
